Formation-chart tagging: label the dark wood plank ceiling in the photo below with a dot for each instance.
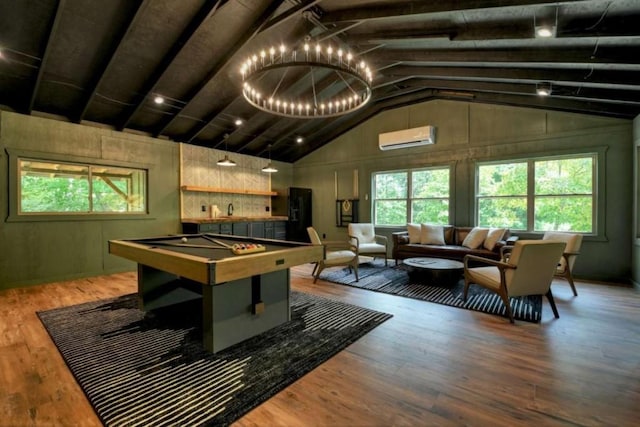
(104, 61)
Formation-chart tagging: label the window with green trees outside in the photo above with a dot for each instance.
(415, 195)
(542, 194)
(70, 188)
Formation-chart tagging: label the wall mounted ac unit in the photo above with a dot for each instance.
(415, 137)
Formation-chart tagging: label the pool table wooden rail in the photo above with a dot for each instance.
(215, 271)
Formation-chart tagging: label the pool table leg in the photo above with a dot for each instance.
(228, 309)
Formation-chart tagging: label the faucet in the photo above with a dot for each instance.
(230, 209)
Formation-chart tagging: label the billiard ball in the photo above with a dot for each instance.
(184, 240)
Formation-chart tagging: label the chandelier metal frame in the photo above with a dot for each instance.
(321, 58)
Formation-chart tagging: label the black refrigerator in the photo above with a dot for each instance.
(299, 213)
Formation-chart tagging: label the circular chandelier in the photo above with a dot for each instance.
(353, 77)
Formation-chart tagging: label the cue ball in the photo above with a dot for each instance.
(184, 240)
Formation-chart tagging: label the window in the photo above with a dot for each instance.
(75, 188)
(538, 194)
(417, 195)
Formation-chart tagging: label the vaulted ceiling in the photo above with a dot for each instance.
(105, 61)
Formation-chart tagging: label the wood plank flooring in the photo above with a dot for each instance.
(428, 365)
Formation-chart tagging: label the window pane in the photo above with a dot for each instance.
(432, 211)
(508, 212)
(390, 212)
(430, 183)
(508, 179)
(56, 187)
(53, 187)
(566, 213)
(391, 185)
(564, 176)
(118, 189)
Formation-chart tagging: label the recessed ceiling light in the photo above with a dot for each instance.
(238, 122)
(543, 89)
(546, 31)
(299, 140)
(158, 100)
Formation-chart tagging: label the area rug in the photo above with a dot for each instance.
(395, 280)
(140, 368)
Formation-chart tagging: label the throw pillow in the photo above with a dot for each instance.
(414, 233)
(431, 234)
(475, 238)
(492, 238)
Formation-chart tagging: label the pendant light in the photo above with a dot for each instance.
(269, 168)
(226, 161)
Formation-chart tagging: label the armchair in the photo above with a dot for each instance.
(571, 252)
(336, 253)
(528, 271)
(363, 235)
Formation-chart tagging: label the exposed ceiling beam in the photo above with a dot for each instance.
(614, 77)
(422, 7)
(150, 84)
(111, 56)
(45, 56)
(614, 55)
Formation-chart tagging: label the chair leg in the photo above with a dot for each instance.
(505, 300)
(355, 268)
(466, 289)
(320, 268)
(552, 303)
(315, 267)
(569, 277)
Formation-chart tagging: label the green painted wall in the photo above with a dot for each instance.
(44, 251)
(466, 133)
(636, 204)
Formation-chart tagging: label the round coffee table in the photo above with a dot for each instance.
(435, 271)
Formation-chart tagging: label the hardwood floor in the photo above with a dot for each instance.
(428, 365)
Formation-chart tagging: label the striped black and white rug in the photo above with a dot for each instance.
(394, 280)
(141, 369)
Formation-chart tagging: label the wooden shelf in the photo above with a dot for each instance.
(227, 190)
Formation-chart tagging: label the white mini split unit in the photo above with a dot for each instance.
(415, 137)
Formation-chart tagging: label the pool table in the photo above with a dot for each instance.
(242, 295)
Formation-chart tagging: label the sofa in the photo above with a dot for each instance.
(448, 242)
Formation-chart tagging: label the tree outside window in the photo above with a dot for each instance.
(57, 188)
(420, 195)
(552, 194)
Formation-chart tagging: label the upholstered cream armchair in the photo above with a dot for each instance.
(363, 235)
(571, 252)
(528, 271)
(336, 253)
